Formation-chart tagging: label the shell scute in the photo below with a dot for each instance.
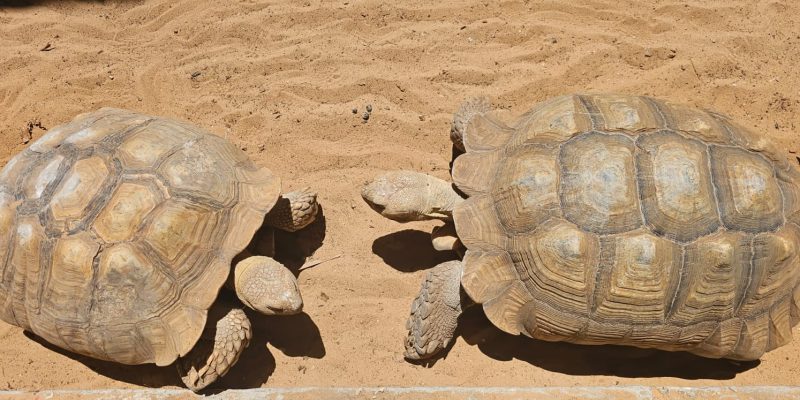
(555, 120)
(625, 114)
(122, 217)
(677, 193)
(750, 198)
(73, 197)
(117, 122)
(693, 122)
(41, 177)
(487, 274)
(200, 171)
(714, 274)
(774, 270)
(526, 188)
(474, 173)
(126, 276)
(150, 144)
(598, 183)
(557, 263)
(486, 132)
(636, 279)
(68, 288)
(182, 234)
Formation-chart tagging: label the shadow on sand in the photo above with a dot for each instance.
(606, 360)
(294, 336)
(410, 250)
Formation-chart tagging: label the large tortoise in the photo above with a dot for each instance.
(609, 219)
(118, 230)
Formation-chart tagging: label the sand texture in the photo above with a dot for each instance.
(280, 79)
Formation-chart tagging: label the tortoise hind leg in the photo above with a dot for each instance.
(294, 210)
(226, 335)
(434, 313)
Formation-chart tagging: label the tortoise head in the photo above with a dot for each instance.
(265, 285)
(398, 195)
(410, 196)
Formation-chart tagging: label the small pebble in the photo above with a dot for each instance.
(369, 107)
(355, 111)
(365, 117)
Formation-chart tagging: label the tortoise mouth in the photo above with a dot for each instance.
(377, 207)
(278, 308)
(285, 311)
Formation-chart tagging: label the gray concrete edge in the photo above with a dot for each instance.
(592, 392)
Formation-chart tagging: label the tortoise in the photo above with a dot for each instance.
(608, 219)
(118, 230)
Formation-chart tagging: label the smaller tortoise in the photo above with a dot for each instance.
(118, 230)
(608, 219)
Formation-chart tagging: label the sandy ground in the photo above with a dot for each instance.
(280, 79)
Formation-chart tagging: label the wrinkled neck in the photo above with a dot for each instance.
(442, 199)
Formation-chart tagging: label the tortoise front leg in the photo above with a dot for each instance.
(293, 211)
(226, 335)
(434, 313)
(445, 238)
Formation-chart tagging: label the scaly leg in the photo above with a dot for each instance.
(294, 211)
(227, 334)
(435, 311)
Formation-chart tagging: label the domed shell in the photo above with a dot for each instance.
(118, 229)
(602, 219)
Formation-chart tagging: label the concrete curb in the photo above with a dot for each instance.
(445, 393)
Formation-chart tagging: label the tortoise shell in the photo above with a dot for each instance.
(606, 219)
(117, 231)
